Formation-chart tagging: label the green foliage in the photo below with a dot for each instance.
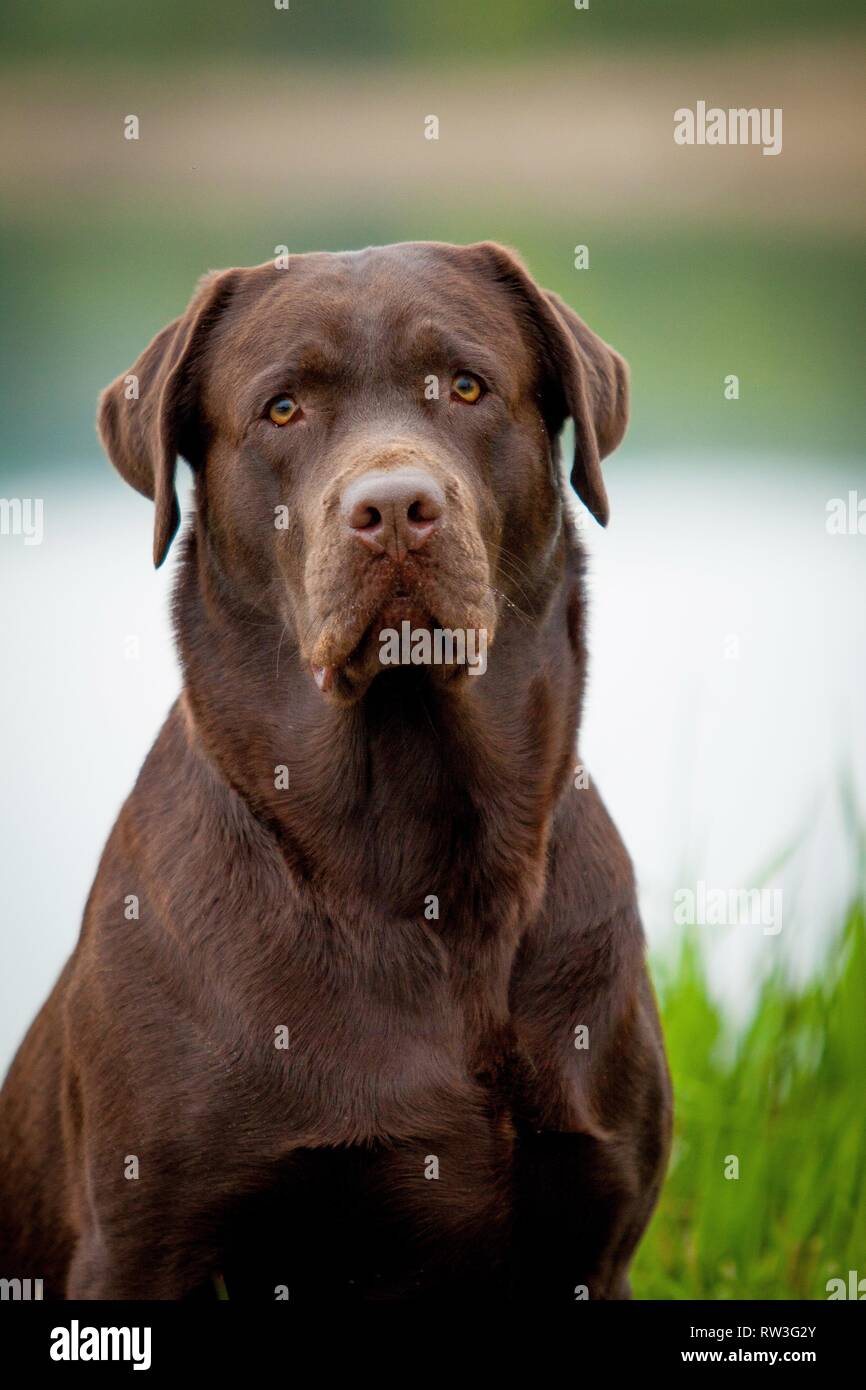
(165, 31)
(785, 1097)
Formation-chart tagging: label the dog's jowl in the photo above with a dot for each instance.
(380, 1026)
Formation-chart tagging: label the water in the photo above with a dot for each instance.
(727, 693)
(726, 697)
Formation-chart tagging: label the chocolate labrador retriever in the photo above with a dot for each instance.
(359, 1010)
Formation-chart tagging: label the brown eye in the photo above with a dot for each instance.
(466, 387)
(283, 409)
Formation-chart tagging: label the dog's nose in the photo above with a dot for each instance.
(395, 511)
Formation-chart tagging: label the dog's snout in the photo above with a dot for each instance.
(395, 511)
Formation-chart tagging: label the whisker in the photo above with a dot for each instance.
(524, 617)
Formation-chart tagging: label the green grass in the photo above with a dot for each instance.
(785, 1097)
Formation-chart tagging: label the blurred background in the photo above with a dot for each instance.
(725, 721)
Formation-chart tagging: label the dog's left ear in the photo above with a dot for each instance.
(587, 379)
(150, 414)
(595, 382)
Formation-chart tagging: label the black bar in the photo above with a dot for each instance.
(228, 1341)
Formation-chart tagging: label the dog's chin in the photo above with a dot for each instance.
(344, 672)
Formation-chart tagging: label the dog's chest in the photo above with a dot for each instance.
(383, 1219)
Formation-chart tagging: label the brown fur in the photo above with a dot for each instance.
(409, 1038)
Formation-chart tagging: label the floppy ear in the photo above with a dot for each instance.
(149, 415)
(595, 383)
(590, 380)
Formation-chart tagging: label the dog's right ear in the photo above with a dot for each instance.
(150, 414)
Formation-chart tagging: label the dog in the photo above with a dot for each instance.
(359, 1010)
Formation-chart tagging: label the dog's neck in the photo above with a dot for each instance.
(421, 799)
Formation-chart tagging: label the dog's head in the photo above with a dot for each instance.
(374, 440)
